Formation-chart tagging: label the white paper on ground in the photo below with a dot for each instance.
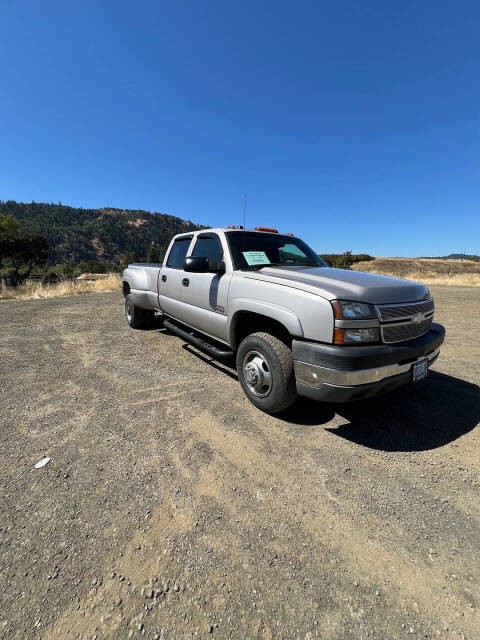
(41, 463)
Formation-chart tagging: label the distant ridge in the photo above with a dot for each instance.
(107, 234)
(452, 256)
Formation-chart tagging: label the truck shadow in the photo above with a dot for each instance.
(417, 417)
(227, 367)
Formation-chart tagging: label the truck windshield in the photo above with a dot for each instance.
(251, 250)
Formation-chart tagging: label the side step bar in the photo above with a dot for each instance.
(221, 353)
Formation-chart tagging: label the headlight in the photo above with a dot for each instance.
(353, 336)
(346, 310)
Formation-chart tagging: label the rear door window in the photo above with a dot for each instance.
(177, 254)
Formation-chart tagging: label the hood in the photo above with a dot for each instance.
(343, 284)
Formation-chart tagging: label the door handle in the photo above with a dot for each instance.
(185, 282)
(164, 278)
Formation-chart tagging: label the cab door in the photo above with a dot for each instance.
(170, 278)
(205, 294)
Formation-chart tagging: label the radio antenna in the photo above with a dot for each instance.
(244, 219)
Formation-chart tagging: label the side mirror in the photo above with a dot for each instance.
(201, 264)
(196, 264)
(216, 266)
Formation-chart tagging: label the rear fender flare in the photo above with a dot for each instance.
(136, 278)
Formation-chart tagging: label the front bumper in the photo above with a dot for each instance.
(340, 374)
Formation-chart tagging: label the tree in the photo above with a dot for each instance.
(126, 259)
(152, 255)
(8, 225)
(347, 260)
(23, 251)
(19, 251)
(9, 231)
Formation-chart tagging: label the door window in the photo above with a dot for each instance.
(177, 254)
(209, 247)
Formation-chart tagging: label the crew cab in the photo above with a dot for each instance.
(294, 325)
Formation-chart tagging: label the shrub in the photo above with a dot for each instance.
(345, 260)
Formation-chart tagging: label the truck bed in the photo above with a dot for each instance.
(150, 271)
(143, 277)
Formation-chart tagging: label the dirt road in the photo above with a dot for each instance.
(172, 508)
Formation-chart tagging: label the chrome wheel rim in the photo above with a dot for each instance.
(257, 374)
(128, 310)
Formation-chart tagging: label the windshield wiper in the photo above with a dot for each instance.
(257, 267)
(294, 264)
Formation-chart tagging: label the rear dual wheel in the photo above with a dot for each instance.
(138, 318)
(265, 370)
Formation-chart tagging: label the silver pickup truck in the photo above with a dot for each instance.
(295, 325)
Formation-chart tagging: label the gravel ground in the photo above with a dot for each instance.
(172, 508)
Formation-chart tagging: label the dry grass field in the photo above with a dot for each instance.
(427, 270)
(37, 290)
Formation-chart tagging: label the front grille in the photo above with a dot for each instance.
(402, 311)
(405, 330)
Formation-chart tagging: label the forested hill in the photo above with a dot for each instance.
(96, 234)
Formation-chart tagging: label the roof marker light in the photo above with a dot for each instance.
(266, 229)
(231, 226)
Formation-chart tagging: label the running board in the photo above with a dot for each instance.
(190, 336)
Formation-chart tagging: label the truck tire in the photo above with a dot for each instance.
(265, 370)
(138, 318)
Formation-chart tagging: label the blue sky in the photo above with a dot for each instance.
(352, 124)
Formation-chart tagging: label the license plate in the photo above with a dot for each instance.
(420, 370)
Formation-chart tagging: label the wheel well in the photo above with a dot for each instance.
(247, 322)
(125, 289)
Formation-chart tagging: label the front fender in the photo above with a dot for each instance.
(286, 317)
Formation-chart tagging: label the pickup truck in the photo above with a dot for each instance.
(295, 325)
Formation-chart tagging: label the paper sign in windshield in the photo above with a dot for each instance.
(255, 257)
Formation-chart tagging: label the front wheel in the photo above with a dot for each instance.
(265, 370)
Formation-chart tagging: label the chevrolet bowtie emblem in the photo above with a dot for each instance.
(418, 318)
